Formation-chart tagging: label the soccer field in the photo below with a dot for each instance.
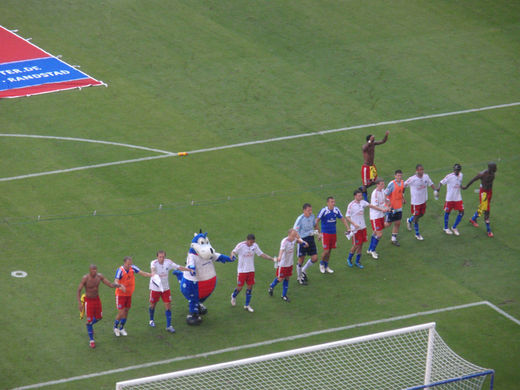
(273, 101)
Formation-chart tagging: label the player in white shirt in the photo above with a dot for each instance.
(453, 182)
(160, 288)
(377, 218)
(286, 262)
(418, 184)
(246, 251)
(355, 215)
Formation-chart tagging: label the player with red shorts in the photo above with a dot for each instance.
(368, 169)
(377, 218)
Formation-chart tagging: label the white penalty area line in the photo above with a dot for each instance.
(238, 145)
(269, 342)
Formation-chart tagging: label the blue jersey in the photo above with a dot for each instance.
(328, 219)
(305, 225)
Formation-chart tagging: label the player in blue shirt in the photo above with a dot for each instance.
(328, 217)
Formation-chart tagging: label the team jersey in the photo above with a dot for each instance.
(127, 279)
(246, 256)
(395, 194)
(287, 248)
(163, 270)
(453, 184)
(356, 213)
(204, 269)
(305, 225)
(418, 188)
(377, 199)
(328, 219)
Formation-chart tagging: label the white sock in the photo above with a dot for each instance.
(307, 265)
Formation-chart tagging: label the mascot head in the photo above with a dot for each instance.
(201, 246)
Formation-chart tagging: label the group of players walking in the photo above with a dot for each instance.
(386, 209)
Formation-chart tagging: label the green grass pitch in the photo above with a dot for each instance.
(189, 75)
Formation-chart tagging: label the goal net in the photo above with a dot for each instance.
(408, 358)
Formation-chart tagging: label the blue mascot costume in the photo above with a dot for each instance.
(197, 285)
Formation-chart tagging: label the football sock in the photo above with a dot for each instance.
(307, 265)
(358, 257)
(376, 241)
(446, 219)
(299, 270)
(94, 321)
(350, 255)
(168, 318)
(416, 226)
(457, 220)
(275, 282)
(488, 227)
(475, 216)
(248, 296)
(90, 331)
(122, 323)
(116, 323)
(285, 287)
(394, 236)
(151, 311)
(235, 293)
(326, 264)
(410, 220)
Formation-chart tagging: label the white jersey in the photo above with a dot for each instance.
(418, 188)
(377, 199)
(453, 184)
(163, 270)
(287, 248)
(246, 256)
(356, 213)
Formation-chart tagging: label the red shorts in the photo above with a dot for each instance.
(485, 200)
(453, 205)
(284, 272)
(246, 277)
(329, 241)
(166, 296)
(206, 287)
(418, 209)
(368, 174)
(123, 301)
(93, 309)
(378, 224)
(360, 237)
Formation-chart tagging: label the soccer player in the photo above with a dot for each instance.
(355, 215)
(368, 169)
(246, 251)
(327, 218)
(418, 184)
(304, 225)
(125, 275)
(377, 218)
(92, 306)
(161, 267)
(285, 263)
(453, 182)
(395, 200)
(486, 192)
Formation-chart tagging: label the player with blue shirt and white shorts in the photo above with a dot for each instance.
(328, 217)
(304, 225)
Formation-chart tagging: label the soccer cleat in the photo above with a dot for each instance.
(419, 237)
(329, 270)
(349, 263)
(151, 323)
(474, 223)
(270, 291)
(408, 225)
(302, 282)
(490, 234)
(448, 232)
(249, 308)
(286, 298)
(117, 332)
(322, 268)
(395, 242)
(305, 278)
(123, 332)
(359, 265)
(455, 231)
(170, 329)
(92, 344)
(374, 255)
(233, 300)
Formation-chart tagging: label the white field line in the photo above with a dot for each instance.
(269, 342)
(277, 139)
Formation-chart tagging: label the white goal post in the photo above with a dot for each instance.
(409, 358)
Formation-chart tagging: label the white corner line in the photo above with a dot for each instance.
(269, 342)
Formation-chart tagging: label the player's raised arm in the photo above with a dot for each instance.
(385, 138)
